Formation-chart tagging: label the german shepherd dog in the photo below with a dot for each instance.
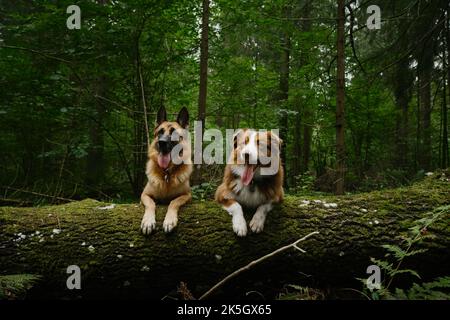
(168, 170)
(248, 182)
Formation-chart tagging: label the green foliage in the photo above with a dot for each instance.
(203, 191)
(15, 286)
(397, 254)
(426, 291)
(304, 183)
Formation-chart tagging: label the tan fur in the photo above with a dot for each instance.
(170, 186)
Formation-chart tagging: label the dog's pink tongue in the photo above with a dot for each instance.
(247, 176)
(163, 160)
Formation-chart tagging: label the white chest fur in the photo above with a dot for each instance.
(249, 196)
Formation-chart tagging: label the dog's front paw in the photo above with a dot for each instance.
(257, 223)
(148, 223)
(239, 225)
(170, 222)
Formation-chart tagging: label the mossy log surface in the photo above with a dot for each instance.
(116, 260)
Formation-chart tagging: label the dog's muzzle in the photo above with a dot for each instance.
(165, 145)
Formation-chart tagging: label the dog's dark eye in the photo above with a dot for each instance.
(171, 131)
(161, 132)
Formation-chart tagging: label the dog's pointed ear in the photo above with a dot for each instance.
(162, 115)
(183, 117)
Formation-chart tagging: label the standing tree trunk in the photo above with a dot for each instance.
(418, 125)
(425, 111)
(424, 67)
(307, 112)
(340, 95)
(284, 92)
(255, 94)
(297, 141)
(141, 138)
(402, 83)
(307, 132)
(444, 121)
(95, 160)
(197, 176)
(444, 151)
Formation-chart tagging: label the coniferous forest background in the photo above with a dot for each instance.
(72, 115)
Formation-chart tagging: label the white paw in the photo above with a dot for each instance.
(239, 225)
(257, 222)
(170, 222)
(148, 223)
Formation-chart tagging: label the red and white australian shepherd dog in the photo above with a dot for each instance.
(253, 178)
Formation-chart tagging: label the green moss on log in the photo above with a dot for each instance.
(118, 261)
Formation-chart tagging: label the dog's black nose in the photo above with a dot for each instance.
(246, 158)
(164, 144)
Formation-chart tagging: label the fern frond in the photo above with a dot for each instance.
(16, 286)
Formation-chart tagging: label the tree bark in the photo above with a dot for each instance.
(284, 92)
(425, 66)
(444, 120)
(203, 63)
(307, 110)
(340, 95)
(445, 161)
(117, 261)
(307, 135)
(425, 58)
(203, 87)
(95, 166)
(141, 129)
(402, 92)
(296, 167)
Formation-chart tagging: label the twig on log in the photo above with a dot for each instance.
(255, 262)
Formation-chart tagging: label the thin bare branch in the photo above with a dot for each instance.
(255, 262)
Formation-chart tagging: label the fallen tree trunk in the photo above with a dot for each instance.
(116, 260)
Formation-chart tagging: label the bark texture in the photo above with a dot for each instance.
(340, 101)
